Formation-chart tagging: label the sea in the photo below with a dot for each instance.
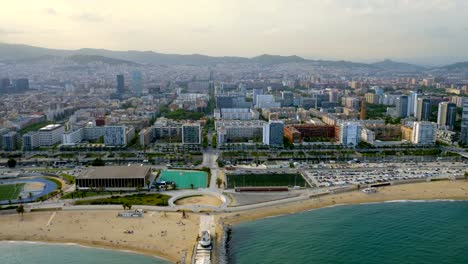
(393, 232)
(13, 252)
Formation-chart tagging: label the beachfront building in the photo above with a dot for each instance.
(51, 135)
(273, 133)
(424, 133)
(349, 133)
(115, 178)
(239, 131)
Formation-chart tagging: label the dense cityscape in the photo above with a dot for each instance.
(219, 132)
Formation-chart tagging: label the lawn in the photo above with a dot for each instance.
(83, 194)
(136, 199)
(250, 180)
(10, 191)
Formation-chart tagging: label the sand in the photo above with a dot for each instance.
(169, 236)
(200, 200)
(453, 190)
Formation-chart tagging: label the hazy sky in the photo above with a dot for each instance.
(346, 29)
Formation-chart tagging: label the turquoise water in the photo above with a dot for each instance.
(184, 179)
(403, 232)
(38, 253)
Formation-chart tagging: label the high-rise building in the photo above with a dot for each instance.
(30, 141)
(424, 109)
(447, 115)
(21, 85)
(256, 92)
(402, 106)
(424, 133)
(115, 135)
(287, 98)
(363, 114)
(350, 133)
(464, 122)
(191, 134)
(273, 133)
(10, 141)
(137, 80)
(120, 84)
(414, 96)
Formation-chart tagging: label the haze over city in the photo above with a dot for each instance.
(418, 31)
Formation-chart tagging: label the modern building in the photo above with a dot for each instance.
(239, 131)
(31, 141)
(287, 98)
(402, 106)
(413, 103)
(464, 122)
(10, 141)
(424, 109)
(51, 135)
(256, 92)
(447, 115)
(424, 133)
(115, 135)
(21, 85)
(191, 133)
(236, 114)
(115, 178)
(266, 101)
(349, 133)
(137, 82)
(120, 84)
(273, 133)
(73, 137)
(372, 98)
(144, 137)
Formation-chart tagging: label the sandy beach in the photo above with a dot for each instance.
(456, 190)
(201, 200)
(167, 236)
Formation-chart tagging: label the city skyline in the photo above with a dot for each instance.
(352, 30)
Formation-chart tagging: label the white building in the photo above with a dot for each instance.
(239, 131)
(350, 133)
(424, 133)
(30, 141)
(51, 135)
(266, 101)
(115, 135)
(73, 137)
(368, 135)
(236, 114)
(464, 122)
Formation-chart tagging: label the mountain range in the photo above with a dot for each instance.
(23, 54)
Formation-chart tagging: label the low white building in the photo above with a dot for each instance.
(51, 135)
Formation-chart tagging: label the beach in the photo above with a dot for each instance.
(449, 190)
(157, 234)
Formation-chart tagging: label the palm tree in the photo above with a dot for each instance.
(20, 198)
(20, 210)
(219, 181)
(30, 195)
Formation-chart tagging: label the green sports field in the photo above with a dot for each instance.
(10, 191)
(184, 178)
(268, 180)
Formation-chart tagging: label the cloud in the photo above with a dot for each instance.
(50, 11)
(4, 32)
(87, 17)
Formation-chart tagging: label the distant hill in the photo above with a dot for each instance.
(455, 66)
(24, 54)
(390, 65)
(86, 59)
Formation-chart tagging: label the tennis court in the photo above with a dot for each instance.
(184, 178)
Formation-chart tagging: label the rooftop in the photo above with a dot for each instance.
(50, 127)
(114, 172)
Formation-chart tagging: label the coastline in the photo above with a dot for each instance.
(167, 237)
(81, 245)
(426, 191)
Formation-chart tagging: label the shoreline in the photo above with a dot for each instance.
(85, 245)
(415, 192)
(164, 236)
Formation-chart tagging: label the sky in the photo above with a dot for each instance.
(328, 29)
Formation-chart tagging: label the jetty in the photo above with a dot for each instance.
(204, 247)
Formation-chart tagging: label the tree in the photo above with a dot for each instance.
(20, 210)
(20, 198)
(30, 195)
(219, 182)
(191, 186)
(11, 163)
(98, 162)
